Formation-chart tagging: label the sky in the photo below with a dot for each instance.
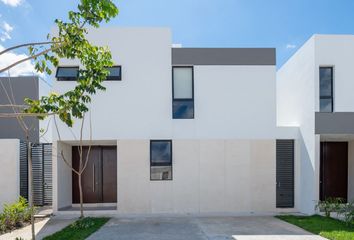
(282, 24)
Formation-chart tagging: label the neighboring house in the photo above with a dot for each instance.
(315, 92)
(179, 130)
(13, 146)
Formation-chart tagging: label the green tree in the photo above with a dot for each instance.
(70, 42)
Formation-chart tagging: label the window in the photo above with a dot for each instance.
(67, 73)
(326, 89)
(182, 92)
(115, 73)
(72, 73)
(160, 160)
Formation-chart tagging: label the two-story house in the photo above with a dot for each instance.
(179, 130)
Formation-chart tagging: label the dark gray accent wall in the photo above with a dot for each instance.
(18, 88)
(223, 56)
(334, 123)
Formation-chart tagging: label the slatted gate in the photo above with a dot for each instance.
(285, 173)
(42, 173)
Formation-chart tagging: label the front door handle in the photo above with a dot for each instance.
(93, 178)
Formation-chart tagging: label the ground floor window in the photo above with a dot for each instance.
(160, 160)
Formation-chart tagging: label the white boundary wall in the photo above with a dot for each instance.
(9, 171)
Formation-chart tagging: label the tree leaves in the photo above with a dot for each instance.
(71, 43)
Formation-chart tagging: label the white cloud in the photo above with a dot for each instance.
(5, 31)
(7, 27)
(25, 68)
(4, 36)
(290, 46)
(12, 3)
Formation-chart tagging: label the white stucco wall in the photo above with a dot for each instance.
(62, 176)
(296, 107)
(9, 171)
(336, 51)
(209, 176)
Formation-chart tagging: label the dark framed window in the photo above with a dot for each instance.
(326, 89)
(160, 160)
(115, 73)
(183, 92)
(67, 73)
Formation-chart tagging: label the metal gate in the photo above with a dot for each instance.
(285, 173)
(42, 172)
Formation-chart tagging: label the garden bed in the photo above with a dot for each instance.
(79, 230)
(15, 216)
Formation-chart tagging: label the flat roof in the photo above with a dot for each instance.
(223, 56)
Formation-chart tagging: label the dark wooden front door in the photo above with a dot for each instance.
(99, 180)
(334, 170)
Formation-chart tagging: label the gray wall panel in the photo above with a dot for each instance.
(223, 56)
(18, 88)
(334, 123)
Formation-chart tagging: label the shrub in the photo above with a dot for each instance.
(329, 205)
(347, 211)
(15, 215)
(83, 223)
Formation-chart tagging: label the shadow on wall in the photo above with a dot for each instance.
(307, 179)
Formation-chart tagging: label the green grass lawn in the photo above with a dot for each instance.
(326, 227)
(79, 230)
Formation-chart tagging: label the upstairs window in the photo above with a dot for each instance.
(67, 73)
(160, 160)
(326, 89)
(72, 73)
(115, 73)
(183, 92)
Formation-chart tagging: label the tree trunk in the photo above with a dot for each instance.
(81, 198)
(30, 179)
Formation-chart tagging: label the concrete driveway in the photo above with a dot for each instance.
(201, 228)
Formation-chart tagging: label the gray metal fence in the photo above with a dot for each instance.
(42, 172)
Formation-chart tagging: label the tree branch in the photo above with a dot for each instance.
(15, 115)
(26, 59)
(25, 45)
(88, 152)
(12, 106)
(67, 163)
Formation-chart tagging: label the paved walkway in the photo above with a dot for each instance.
(42, 229)
(201, 228)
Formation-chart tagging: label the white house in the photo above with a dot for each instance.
(179, 130)
(315, 92)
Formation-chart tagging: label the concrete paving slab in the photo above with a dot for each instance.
(53, 225)
(201, 228)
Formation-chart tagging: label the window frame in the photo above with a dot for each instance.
(182, 99)
(332, 86)
(161, 164)
(67, 78)
(114, 78)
